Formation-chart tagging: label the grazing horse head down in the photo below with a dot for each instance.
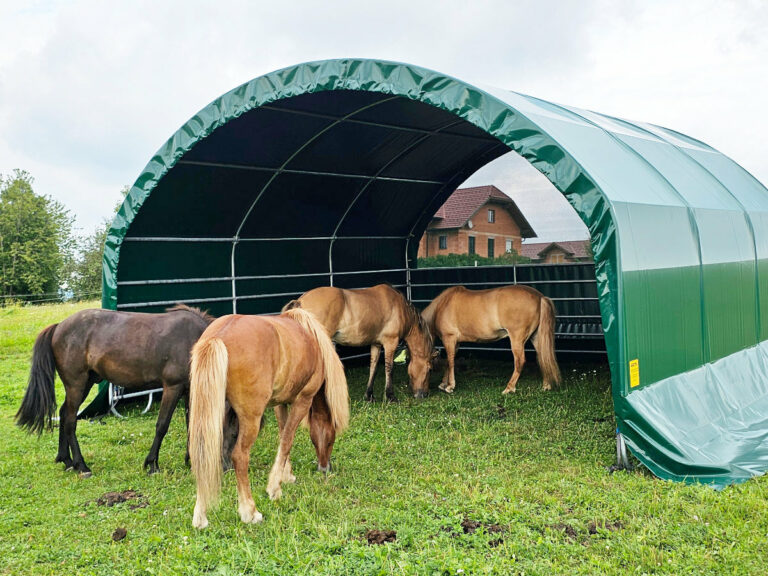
(252, 362)
(379, 317)
(518, 312)
(422, 349)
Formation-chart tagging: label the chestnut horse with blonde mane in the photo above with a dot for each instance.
(462, 315)
(252, 362)
(376, 316)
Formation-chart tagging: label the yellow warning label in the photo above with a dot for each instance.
(634, 373)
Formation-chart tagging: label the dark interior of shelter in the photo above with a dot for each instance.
(334, 187)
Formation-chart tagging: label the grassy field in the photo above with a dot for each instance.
(473, 483)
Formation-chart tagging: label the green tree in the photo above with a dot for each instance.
(36, 243)
(86, 276)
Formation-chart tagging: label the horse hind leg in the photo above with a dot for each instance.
(299, 409)
(171, 395)
(518, 351)
(375, 353)
(76, 391)
(449, 376)
(63, 454)
(249, 430)
(281, 413)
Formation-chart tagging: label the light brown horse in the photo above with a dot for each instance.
(376, 316)
(253, 362)
(461, 315)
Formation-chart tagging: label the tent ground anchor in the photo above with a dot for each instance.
(622, 459)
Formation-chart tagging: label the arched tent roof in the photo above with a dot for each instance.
(318, 172)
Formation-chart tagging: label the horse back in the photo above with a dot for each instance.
(477, 315)
(269, 356)
(126, 348)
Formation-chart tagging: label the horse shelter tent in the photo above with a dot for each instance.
(329, 172)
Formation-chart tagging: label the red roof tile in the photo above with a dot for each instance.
(573, 248)
(464, 202)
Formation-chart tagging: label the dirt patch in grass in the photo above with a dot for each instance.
(593, 527)
(380, 536)
(109, 499)
(567, 529)
(119, 534)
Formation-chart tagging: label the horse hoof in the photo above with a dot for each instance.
(257, 517)
(509, 391)
(275, 494)
(370, 399)
(153, 470)
(86, 474)
(392, 399)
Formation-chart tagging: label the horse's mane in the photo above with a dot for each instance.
(415, 320)
(207, 318)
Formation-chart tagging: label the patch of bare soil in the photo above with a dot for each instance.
(593, 527)
(119, 534)
(380, 536)
(109, 499)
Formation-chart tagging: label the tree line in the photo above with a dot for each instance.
(41, 258)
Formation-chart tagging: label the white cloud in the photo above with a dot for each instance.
(89, 90)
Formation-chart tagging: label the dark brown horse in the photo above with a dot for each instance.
(253, 362)
(518, 312)
(378, 316)
(129, 349)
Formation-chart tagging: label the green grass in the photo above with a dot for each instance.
(533, 463)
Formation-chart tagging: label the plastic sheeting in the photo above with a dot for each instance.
(325, 168)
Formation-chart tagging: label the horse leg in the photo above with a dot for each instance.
(389, 362)
(171, 395)
(299, 410)
(375, 352)
(186, 418)
(518, 351)
(76, 393)
(449, 377)
(241, 453)
(63, 454)
(281, 413)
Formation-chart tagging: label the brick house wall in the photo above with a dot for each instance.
(502, 229)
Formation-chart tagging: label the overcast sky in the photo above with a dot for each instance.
(89, 90)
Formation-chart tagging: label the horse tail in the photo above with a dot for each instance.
(39, 403)
(207, 392)
(544, 342)
(336, 392)
(292, 305)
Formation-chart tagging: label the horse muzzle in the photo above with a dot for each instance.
(420, 394)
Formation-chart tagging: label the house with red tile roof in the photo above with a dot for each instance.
(557, 252)
(481, 220)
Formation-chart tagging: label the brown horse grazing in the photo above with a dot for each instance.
(375, 317)
(128, 349)
(252, 362)
(461, 315)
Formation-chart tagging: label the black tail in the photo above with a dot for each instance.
(39, 404)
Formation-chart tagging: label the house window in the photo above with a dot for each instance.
(556, 258)
(491, 215)
(491, 244)
(471, 249)
(508, 245)
(443, 242)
